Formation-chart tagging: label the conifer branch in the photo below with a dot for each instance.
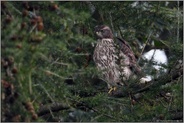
(54, 107)
(162, 80)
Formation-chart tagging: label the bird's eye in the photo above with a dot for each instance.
(101, 30)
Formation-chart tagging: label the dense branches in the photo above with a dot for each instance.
(47, 71)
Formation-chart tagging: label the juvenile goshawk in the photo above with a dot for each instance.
(114, 58)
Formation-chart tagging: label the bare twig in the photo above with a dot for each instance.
(54, 62)
(120, 32)
(145, 45)
(178, 22)
(111, 21)
(32, 28)
(60, 63)
(30, 82)
(52, 73)
(152, 57)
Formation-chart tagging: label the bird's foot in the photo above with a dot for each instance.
(112, 89)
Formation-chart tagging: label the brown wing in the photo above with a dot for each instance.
(126, 49)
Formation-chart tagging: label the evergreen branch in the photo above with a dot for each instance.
(82, 54)
(160, 40)
(178, 115)
(167, 78)
(110, 15)
(31, 14)
(94, 109)
(52, 62)
(178, 22)
(138, 88)
(91, 6)
(30, 83)
(13, 7)
(60, 63)
(120, 31)
(33, 28)
(170, 101)
(52, 73)
(54, 107)
(145, 45)
(47, 92)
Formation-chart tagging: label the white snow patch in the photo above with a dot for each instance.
(145, 79)
(157, 56)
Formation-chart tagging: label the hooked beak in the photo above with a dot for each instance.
(98, 34)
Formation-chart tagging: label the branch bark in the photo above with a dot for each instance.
(54, 107)
(139, 88)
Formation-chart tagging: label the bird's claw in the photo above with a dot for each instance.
(112, 89)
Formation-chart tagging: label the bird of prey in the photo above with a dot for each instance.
(114, 58)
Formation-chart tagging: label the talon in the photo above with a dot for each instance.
(115, 88)
(112, 89)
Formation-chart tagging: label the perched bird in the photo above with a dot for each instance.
(114, 58)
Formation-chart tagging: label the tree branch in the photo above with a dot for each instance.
(54, 107)
(138, 88)
(177, 115)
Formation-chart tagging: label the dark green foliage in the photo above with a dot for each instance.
(41, 66)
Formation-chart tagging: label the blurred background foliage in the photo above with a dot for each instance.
(47, 71)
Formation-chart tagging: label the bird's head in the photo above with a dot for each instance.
(103, 31)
